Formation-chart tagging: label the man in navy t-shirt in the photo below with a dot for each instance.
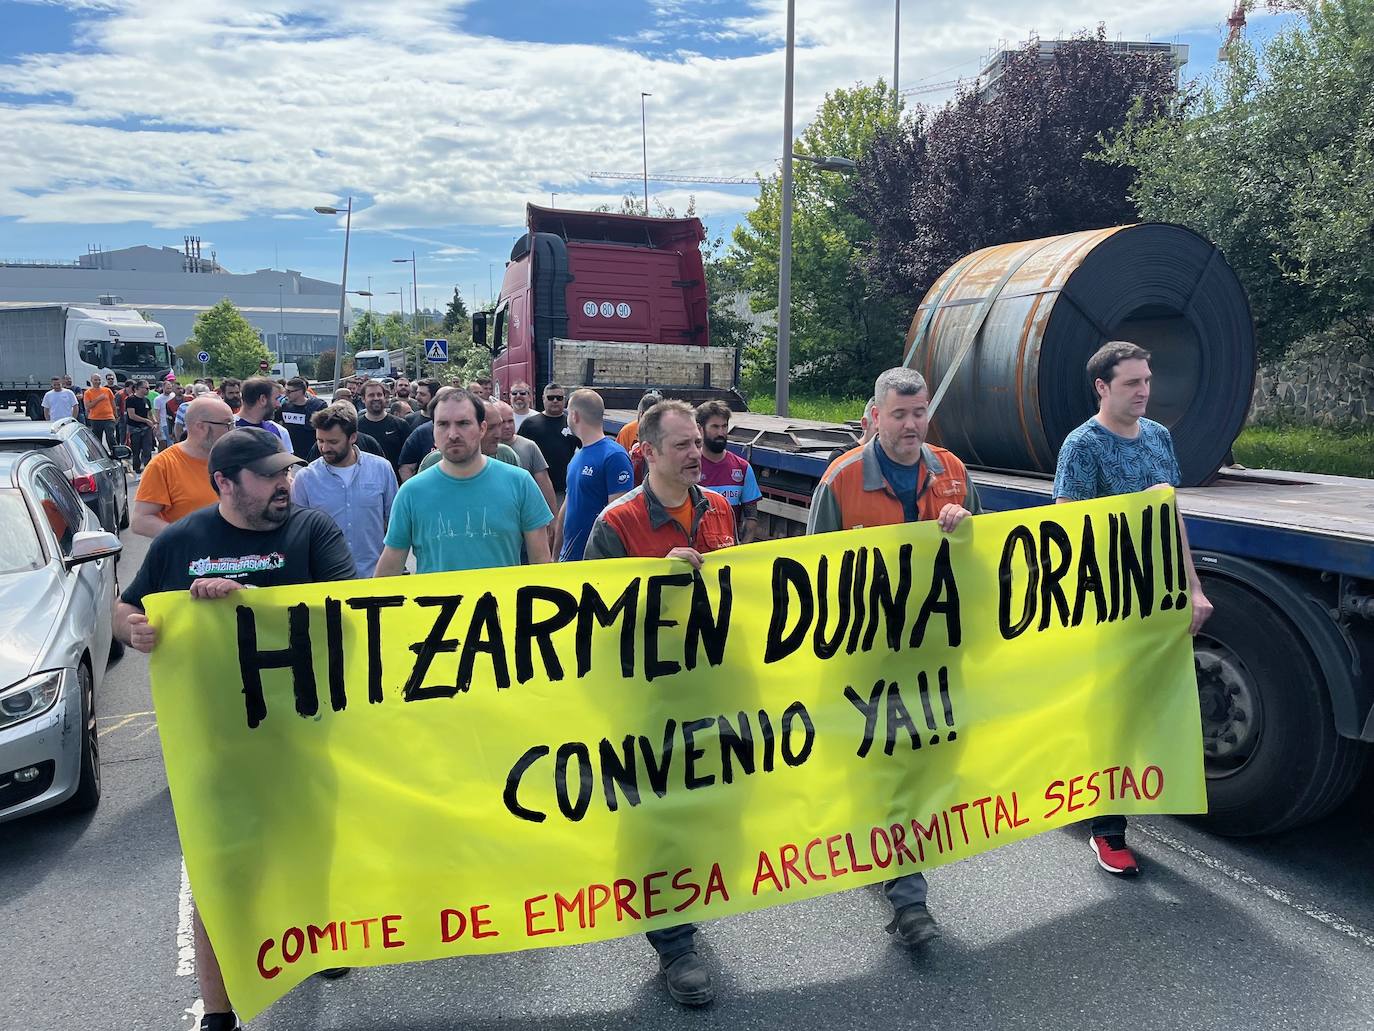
(597, 474)
(1119, 451)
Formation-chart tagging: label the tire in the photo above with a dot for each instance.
(87, 795)
(1273, 758)
(33, 407)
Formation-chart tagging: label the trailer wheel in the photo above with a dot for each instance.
(33, 407)
(1273, 757)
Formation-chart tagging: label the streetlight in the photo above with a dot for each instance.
(644, 144)
(414, 289)
(343, 284)
(896, 52)
(827, 164)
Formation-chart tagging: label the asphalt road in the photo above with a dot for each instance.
(1271, 934)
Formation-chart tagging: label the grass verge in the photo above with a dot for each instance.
(1307, 449)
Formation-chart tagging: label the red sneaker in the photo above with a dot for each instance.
(1113, 855)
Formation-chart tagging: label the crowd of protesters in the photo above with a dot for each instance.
(277, 485)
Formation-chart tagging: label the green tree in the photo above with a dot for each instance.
(457, 314)
(364, 334)
(233, 344)
(843, 326)
(187, 354)
(1275, 167)
(992, 168)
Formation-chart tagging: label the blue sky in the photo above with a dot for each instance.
(138, 121)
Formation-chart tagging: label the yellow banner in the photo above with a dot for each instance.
(382, 771)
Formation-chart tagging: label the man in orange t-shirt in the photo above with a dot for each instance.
(177, 480)
(629, 433)
(100, 411)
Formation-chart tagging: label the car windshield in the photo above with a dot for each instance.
(52, 448)
(20, 551)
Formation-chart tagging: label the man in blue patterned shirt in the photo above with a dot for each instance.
(1119, 451)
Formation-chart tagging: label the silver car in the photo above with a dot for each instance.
(57, 596)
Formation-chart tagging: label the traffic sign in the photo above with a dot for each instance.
(436, 351)
(203, 357)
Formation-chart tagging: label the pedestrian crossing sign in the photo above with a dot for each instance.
(436, 351)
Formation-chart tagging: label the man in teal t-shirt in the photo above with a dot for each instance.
(467, 512)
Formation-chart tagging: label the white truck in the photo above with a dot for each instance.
(380, 364)
(40, 341)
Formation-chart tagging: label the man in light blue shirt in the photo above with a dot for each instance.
(467, 512)
(352, 487)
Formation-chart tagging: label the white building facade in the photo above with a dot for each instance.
(296, 316)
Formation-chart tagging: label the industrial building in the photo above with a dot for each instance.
(987, 82)
(296, 316)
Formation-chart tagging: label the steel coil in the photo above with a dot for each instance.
(1017, 323)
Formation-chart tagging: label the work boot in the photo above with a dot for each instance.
(220, 1022)
(913, 925)
(334, 973)
(689, 982)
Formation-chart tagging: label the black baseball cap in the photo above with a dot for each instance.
(250, 448)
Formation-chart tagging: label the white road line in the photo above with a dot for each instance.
(186, 944)
(1331, 920)
(186, 941)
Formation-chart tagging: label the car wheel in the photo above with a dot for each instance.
(87, 795)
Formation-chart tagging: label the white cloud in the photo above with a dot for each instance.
(428, 125)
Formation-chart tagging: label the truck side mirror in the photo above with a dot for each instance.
(479, 328)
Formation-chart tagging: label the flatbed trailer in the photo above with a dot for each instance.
(1286, 663)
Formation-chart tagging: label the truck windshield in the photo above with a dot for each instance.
(367, 362)
(126, 355)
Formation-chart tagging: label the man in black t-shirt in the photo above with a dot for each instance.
(549, 429)
(389, 431)
(138, 413)
(254, 537)
(425, 389)
(296, 410)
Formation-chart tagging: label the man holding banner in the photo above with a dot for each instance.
(896, 477)
(669, 516)
(1119, 451)
(254, 537)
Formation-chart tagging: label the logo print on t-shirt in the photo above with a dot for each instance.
(237, 565)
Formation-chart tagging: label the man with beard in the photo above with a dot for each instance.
(232, 392)
(255, 409)
(669, 516)
(354, 488)
(725, 472)
(424, 392)
(383, 427)
(531, 458)
(897, 478)
(469, 511)
(253, 537)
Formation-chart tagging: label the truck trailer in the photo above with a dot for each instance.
(607, 301)
(40, 341)
(1285, 665)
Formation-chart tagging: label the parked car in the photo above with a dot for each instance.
(57, 598)
(98, 476)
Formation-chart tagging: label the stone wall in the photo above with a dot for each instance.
(1322, 383)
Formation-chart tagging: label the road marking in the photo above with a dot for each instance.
(1331, 920)
(126, 717)
(186, 943)
(186, 939)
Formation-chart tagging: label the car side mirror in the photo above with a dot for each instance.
(121, 452)
(91, 546)
(479, 328)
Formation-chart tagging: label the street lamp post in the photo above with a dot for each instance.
(281, 329)
(644, 140)
(343, 285)
(896, 50)
(414, 289)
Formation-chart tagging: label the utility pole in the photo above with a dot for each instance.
(896, 51)
(644, 146)
(784, 360)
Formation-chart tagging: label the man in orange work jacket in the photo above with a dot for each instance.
(897, 478)
(669, 516)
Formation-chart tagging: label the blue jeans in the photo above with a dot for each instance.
(672, 942)
(1108, 825)
(907, 890)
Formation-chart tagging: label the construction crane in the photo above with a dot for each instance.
(1235, 26)
(713, 179)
